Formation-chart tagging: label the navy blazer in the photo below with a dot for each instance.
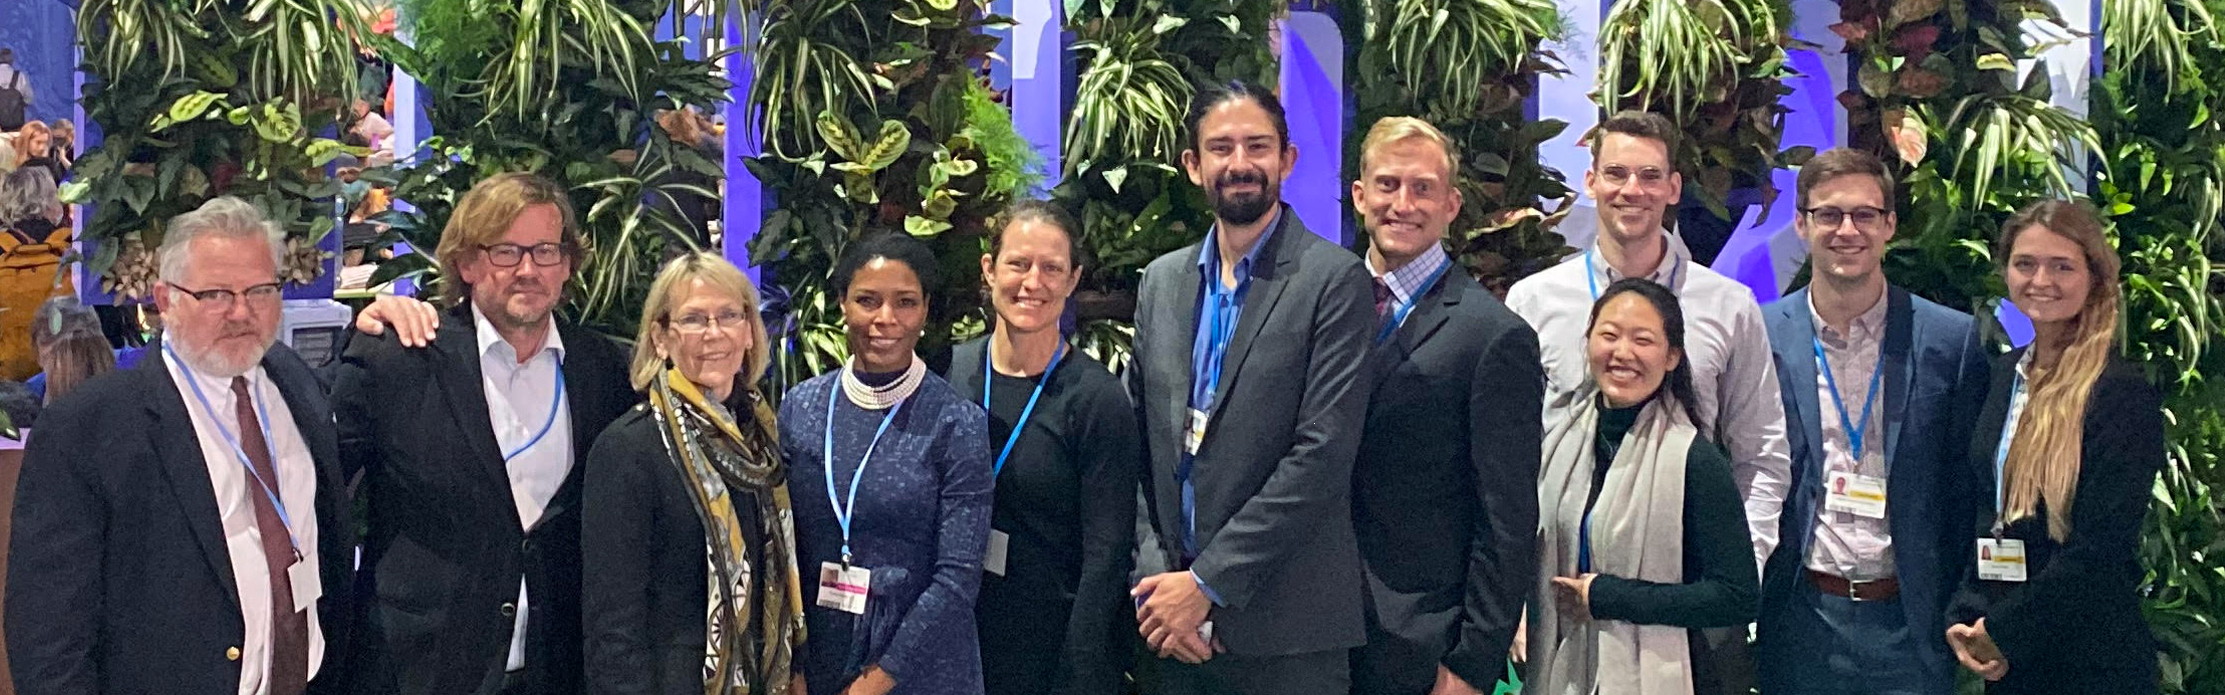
(119, 578)
(1935, 382)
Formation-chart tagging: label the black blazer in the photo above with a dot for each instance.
(1444, 494)
(444, 548)
(1273, 478)
(645, 603)
(119, 580)
(2075, 625)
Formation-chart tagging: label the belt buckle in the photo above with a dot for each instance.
(1854, 590)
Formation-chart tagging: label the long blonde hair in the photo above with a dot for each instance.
(666, 292)
(2044, 456)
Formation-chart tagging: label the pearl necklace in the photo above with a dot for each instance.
(882, 398)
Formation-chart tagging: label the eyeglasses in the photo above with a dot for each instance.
(222, 299)
(1865, 218)
(508, 255)
(1649, 177)
(696, 324)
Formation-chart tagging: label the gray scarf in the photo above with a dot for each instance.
(1637, 532)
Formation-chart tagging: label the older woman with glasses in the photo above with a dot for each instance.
(686, 525)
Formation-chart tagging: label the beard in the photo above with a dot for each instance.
(1243, 208)
(215, 361)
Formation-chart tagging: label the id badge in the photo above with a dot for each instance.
(1856, 494)
(307, 589)
(1196, 436)
(844, 588)
(2001, 560)
(999, 543)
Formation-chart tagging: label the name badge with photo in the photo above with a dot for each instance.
(844, 588)
(1856, 494)
(2001, 560)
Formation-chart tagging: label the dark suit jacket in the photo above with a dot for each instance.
(1935, 380)
(119, 580)
(1444, 495)
(1273, 478)
(444, 548)
(2075, 625)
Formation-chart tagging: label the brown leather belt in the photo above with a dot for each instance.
(1885, 589)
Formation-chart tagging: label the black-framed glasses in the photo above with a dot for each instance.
(1865, 218)
(222, 299)
(694, 323)
(508, 255)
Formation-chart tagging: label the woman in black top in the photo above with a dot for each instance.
(668, 608)
(2070, 442)
(1642, 535)
(1054, 613)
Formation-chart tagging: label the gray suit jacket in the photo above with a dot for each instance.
(1273, 478)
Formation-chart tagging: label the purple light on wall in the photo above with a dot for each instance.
(1037, 47)
(1312, 93)
(1757, 254)
(743, 208)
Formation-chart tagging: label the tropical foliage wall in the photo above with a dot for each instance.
(876, 118)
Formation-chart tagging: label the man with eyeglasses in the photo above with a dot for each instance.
(1881, 388)
(468, 447)
(1633, 180)
(182, 526)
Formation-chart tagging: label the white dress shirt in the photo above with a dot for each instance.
(1733, 371)
(243, 540)
(1849, 545)
(519, 399)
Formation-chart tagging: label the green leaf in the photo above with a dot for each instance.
(889, 145)
(191, 106)
(1167, 23)
(2037, 85)
(922, 227)
(1995, 61)
(1875, 80)
(1114, 177)
(840, 136)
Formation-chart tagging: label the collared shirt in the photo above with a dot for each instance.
(1219, 308)
(1733, 370)
(8, 76)
(519, 397)
(243, 540)
(1407, 280)
(1845, 544)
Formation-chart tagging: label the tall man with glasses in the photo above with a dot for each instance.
(181, 526)
(1633, 179)
(468, 449)
(1881, 388)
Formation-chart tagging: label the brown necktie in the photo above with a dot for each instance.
(289, 629)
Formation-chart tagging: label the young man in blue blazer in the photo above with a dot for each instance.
(1880, 388)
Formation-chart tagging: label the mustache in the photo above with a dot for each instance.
(1235, 177)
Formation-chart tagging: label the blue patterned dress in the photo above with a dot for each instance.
(921, 524)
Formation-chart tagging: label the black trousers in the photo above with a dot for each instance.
(1315, 673)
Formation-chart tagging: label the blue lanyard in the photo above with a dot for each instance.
(843, 513)
(2008, 435)
(1592, 276)
(1853, 432)
(1398, 315)
(555, 399)
(263, 423)
(988, 376)
(1216, 350)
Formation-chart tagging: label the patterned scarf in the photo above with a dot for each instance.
(716, 455)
